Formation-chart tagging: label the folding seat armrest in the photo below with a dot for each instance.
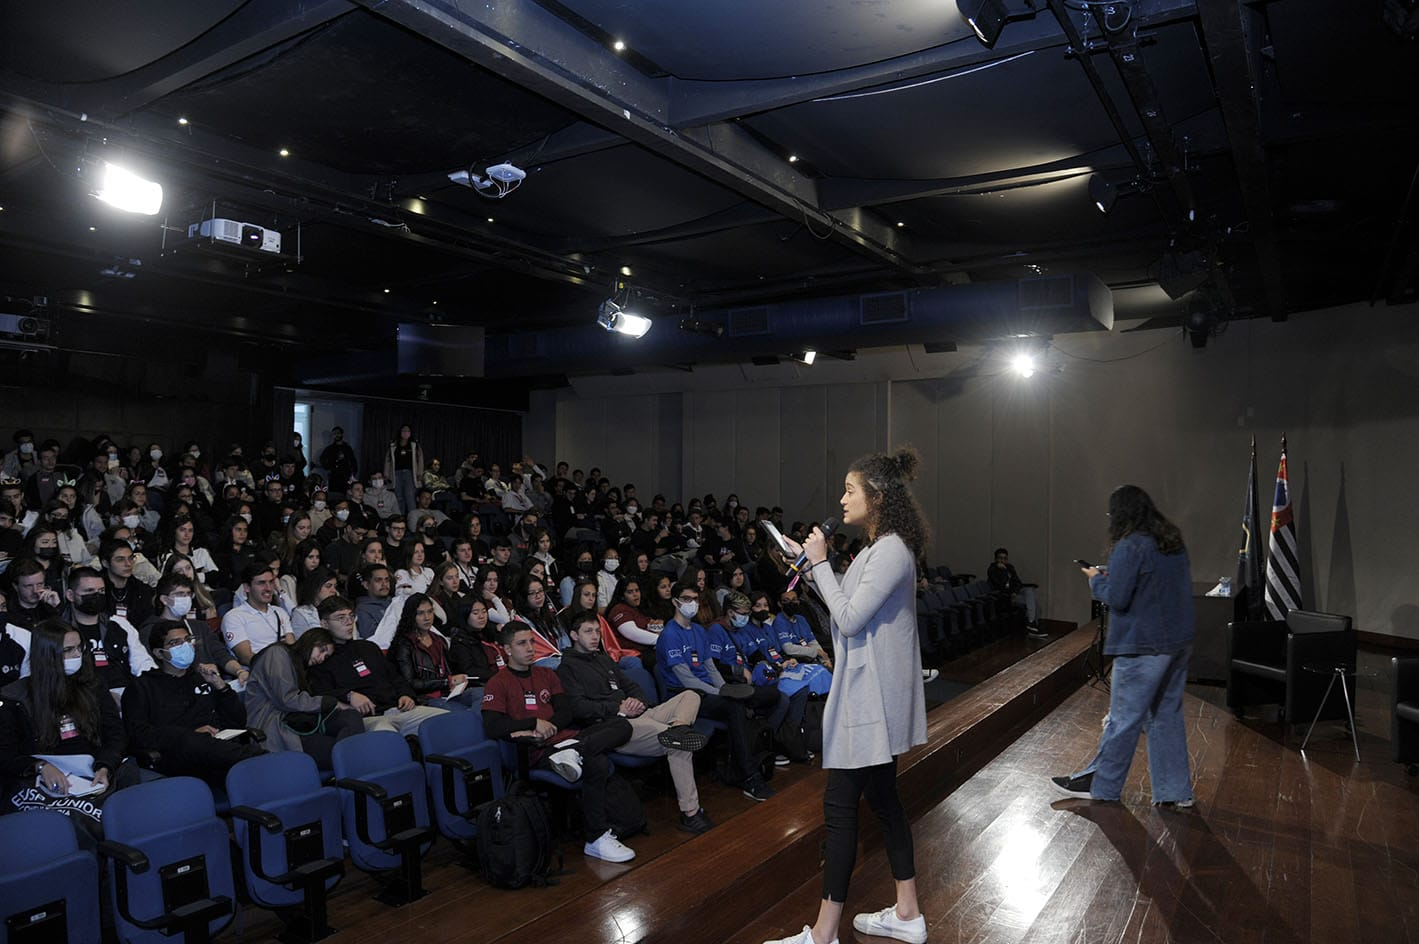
(372, 790)
(130, 858)
(445, 760)
(267, 821)
(448, 764)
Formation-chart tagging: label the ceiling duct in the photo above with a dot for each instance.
(981, 311)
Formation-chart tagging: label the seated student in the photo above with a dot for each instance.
(550, 637)
(371, 553)
(317, 585)
(636, 632)
(175, 598)
(450, 599)
(462, 558)
(526, 701)
(597, 689)
(118, 652)
(279, 700)
(60, 721)
(472, 652)
(374, 603)
(790, 627)
(1004, 579)
(682, 659)
(179, 708)
(257, 621)
(358, 674)
(33, 601)
(749, 654)
(485, 588)
(414, 575)
(586, 596)
(420, 653)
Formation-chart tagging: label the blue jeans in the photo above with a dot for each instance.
(404, 489)
(1145, 696)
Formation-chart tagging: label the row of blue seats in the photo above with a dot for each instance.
(166, 849)
(954, 619)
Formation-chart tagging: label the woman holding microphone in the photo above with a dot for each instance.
(876, 709)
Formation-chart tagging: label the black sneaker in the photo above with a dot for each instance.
(757, 790)
(1075, 786)
(681, 737)
(697, 824)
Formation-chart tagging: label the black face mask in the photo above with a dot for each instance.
(790, 608)
(586, 567)
(91, 604)
(759, 616)
(46, 553)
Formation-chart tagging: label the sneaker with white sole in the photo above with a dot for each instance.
(608, 848)
(802, 937)
(886, 923)
(929, 675)
(567, 764)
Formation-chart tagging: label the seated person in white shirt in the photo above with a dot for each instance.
(258, 621)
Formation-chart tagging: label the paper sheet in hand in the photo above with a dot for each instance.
(457, 690)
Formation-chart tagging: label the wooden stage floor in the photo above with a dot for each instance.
(1282, 847)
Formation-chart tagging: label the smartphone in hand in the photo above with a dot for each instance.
(1083, 563)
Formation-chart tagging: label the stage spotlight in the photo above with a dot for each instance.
(808, 357)
(125, 190)
(613, 317)
(1102, 192)
(986, 17)
(1023, 364)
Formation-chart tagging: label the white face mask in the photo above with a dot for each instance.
(73, 665)
(27, 448)
(740, 620)
(180, 606)
(342, 514)
(194, 452)
(246, 516)
(155, 454)
(130, 521)
(376, 483)
(319, 505)
(690, 610)
(610, 565)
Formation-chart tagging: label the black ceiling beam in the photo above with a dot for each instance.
(701, 102)
(254, 27)
(526, 44)
(1224, 35)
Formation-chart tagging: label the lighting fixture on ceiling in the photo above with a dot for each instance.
(1206, 317)
(613, 316)
(986, 17)
(496, 182)
(125, 190)
(807, 357)
(1102, 192)
(1023, 364)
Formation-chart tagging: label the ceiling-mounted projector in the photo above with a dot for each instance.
(496, 182)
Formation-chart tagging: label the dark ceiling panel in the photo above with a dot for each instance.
(771, 40)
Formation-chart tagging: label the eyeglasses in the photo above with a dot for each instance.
(174, 643)
(688, 599)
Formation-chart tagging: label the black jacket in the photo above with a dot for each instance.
(595, 686)
(158, 708)
(417, 666)
(109, 643)
(340, 674)
(468, 655)
(18, 741)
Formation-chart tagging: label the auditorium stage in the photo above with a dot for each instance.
(1281, 848)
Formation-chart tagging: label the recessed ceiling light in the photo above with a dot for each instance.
(900, 224)
(386, 291)
(625, 270)
(434, 302)
(93, 229)
(284, 153)
(182, 121)
(793, 158)
(422, 197)
(491, 220)
(619, 45)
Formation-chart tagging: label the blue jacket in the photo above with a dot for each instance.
(1149, 595)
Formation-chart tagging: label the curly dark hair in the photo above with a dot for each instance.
(892, 508)
(1131, 511)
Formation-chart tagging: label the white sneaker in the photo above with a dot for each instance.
(929, 675)
(610, 849)
(802, 937)
(885, 923)
(567, 764)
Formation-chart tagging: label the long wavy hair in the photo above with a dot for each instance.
(1131, 511)
(54, 694)
(891, 507)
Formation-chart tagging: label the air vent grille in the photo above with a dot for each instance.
(884, 309)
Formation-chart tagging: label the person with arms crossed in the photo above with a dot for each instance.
(876, 709)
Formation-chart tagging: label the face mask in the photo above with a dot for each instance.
(732, 504)
(633, 510)
(131, 521)
(155, 454)
(585, 566)
(91, 604)
(194, 452)
(180, 606)
(246, 516)
(689, 610)
(610, 566)
(47, 553)
(27, 448)
(376, 483)
(285, 519)
(760, 615)
(319, 505)
(790, 608)
(73, 665)
(182, 656)
(739, 620)
(342, 514)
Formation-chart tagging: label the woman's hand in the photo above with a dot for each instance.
(53, 779)
(101, 777)
(1091, 572)
(816, 547)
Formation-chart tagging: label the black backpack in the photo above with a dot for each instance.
(515, 840)
(624, 810)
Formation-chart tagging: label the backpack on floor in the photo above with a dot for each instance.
(515, 840)
(624, 811)
(813, 724)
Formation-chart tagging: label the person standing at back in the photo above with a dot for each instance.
(876, 710)
(404, 466)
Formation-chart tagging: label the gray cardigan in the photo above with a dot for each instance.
(272, 691)
(876, 708)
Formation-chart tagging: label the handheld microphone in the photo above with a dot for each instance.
(828, 526)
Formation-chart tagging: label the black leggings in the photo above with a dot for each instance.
(840, 815)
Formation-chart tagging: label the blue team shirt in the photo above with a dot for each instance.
(680, 646)
(793, 629)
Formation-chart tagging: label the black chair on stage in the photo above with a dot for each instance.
(1404, 730)
(1292, 665)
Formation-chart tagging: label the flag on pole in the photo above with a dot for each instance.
(1250, 602)
(1283, 584)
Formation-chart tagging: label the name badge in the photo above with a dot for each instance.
(361, 669)
(120, 610)
(694, 659)
(67, 728)
(738, 657)
(773, 653)
(100, 658)
(529, 699)
(501, 663)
